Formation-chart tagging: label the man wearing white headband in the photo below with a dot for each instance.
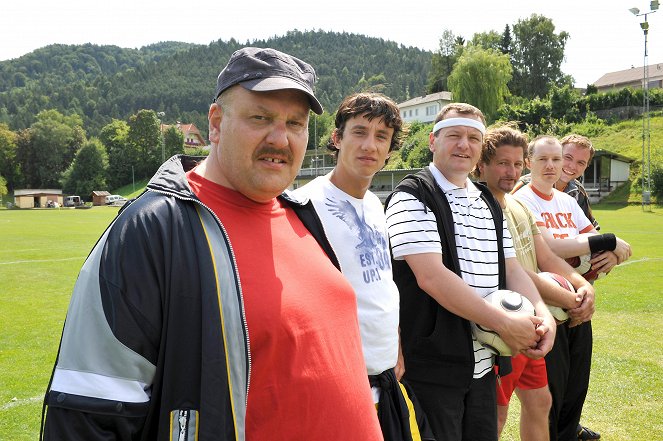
(451, 248)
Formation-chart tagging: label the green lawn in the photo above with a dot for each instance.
(41, 252)
(625, 400)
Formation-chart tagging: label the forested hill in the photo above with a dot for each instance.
(104, 82)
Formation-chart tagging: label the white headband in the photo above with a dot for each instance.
(460, 122)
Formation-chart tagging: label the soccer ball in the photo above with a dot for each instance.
(558, 313)
(509, 301)
(583, 267)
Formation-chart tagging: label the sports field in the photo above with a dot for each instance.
(41, 252)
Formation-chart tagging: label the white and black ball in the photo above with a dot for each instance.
(511, 302)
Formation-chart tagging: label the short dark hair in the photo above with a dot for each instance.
(370, 105)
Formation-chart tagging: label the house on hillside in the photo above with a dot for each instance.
(192, 136)
(632, 77)
(37, 198)
(424, 108)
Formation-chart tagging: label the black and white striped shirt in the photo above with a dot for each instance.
(413, 230)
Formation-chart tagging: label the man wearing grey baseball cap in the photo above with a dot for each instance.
(213, 307)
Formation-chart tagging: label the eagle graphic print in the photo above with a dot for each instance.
(371, 248)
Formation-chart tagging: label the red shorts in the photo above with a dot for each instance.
(526, 374)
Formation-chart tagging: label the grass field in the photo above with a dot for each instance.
(41, 252)
(625, 400)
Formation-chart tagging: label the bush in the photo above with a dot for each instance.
(196, 151)
(657, 182)
(591, 89)
(591, 127)
(564, 103)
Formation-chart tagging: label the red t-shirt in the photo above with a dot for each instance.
(308, 377)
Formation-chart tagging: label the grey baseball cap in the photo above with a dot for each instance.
(267, 69)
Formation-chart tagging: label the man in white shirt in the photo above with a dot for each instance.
(452, 248)
(559, 216)
(368, 129)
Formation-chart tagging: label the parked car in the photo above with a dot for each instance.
(115, 199)
(72, 201)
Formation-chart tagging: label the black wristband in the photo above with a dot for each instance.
(602, 242)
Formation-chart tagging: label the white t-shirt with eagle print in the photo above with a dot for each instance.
(357, 231)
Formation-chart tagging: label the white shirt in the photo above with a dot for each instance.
(558, 212)
(356, 229)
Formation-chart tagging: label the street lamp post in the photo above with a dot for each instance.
(646, 138)
(315, 140)
(163, 147)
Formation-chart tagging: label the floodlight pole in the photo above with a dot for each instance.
(646, 135)
(315, 141)
(163, 147)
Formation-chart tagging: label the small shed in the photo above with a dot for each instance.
(606, 172)
(37, 198)
(99, 197)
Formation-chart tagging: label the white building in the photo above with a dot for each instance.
(605, 173)
(424, 108)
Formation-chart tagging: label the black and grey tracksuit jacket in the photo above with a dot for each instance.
(155, 344)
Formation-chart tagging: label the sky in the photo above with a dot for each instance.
(604, 35)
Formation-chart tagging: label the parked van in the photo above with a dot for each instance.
(72, 201)
(115, 199)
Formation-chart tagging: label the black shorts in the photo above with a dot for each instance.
(460, 413)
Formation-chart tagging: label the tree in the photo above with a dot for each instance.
(480, 78)
(505, 42)
(173, 140)
(48, 148)
(8, 164)
(564, 103)
(3, 187)
(319, 130)
(657, 182)
(536, 56)
(24, 157)
(414, 153)
(88, 171)
(376, 83)
(71, 125)
(122, 155)
(443, 61)
(488, 40)
(145, 135)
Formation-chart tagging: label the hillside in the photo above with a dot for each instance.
(625, 138)
(105, 82)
